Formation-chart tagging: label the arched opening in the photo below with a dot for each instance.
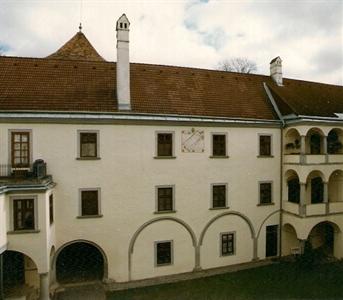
(336, 186)
(335, 141)
(20, 274)
(322, 237)
(290, 243)
(314, 141)
(80, 261)
(292, 141)
(315, 187)
(317, 190)
(293, 187)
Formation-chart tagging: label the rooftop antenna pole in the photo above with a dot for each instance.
(81, 6)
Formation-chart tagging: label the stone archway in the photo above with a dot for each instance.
(79, 261)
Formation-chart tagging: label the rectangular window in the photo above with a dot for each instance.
(20, 147)
(227, 243)
(265, 145)
(51, 209)
(266, 193)
(24, 214)
(88, 144)
(89, 203)
(163, 253)
(219, 196)
(219, 145)
(165, 199)
(164, 144)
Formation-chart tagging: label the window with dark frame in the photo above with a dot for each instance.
(51, 208)
(265, 193)
(88, 144)
(164, 199)
(89, 203)
(163, 253)
(265, 145)
(227, 244)
(219, 196)
(23, 214)
(20, 143)
(164, 144)
(219, 145)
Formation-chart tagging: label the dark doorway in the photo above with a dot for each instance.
(13, 269)
(294, 190)
(271, 240)
(79, 262)
(328, 238)
(315, 143)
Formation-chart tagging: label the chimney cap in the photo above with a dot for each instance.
(123, 23)
(275, 59)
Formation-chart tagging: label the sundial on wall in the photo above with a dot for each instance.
(192, 141)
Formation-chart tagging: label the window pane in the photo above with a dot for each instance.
(265, 192)
(51, 208)
(20, 148)
(227, 244)
(23, 213)
(219, 196)
(164, 144)
(219, 145)
(89, 203)
(265, 145)
(163, 253)
(88, 144)
(165, 199)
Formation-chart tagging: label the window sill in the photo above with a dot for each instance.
(165, 212)
(265, 156)
(219, 156)
(89, 217)
(218, 208)
(164, 157)
(266, 204)
(88, 158)
(23, 231)
(163, 265)
(226, 255)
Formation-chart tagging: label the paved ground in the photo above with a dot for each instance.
(84, 292)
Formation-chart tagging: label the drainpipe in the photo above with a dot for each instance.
(2, 297)
(272, 101)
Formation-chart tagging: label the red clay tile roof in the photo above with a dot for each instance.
(36, 84)
(77, 48)
(65, 85)
(308, 98)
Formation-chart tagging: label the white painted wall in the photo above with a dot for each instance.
(3, 224)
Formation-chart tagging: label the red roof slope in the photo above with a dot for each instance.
(66, 85)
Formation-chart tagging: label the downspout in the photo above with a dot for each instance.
(272, 101)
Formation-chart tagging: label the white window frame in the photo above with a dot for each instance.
(271, 191)
(156, 144)
(35, 209)
(226, 196)
(220, 244)
(226, 145)
(259, 146)
(172, 186)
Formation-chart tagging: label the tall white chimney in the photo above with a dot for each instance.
(276, 70)
(123, 63)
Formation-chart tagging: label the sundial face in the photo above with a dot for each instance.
(193, 141)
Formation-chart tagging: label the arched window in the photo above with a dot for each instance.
(334, 144)
(315, 143)
(317, 190)
(294, 190)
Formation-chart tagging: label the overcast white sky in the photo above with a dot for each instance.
(308, 35)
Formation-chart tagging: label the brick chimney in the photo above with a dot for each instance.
(276, 70)
(123, 63)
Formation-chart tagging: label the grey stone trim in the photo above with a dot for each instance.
(273, 213)
(54, 259)
(171, 253)
(167, 218)
(236, 213)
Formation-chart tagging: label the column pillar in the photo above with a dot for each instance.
(197, 266)
(325, 148)
(326, 196)
(302, 148)
(302, 204)
(44, 286)
(255, 248)
(302, 246)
